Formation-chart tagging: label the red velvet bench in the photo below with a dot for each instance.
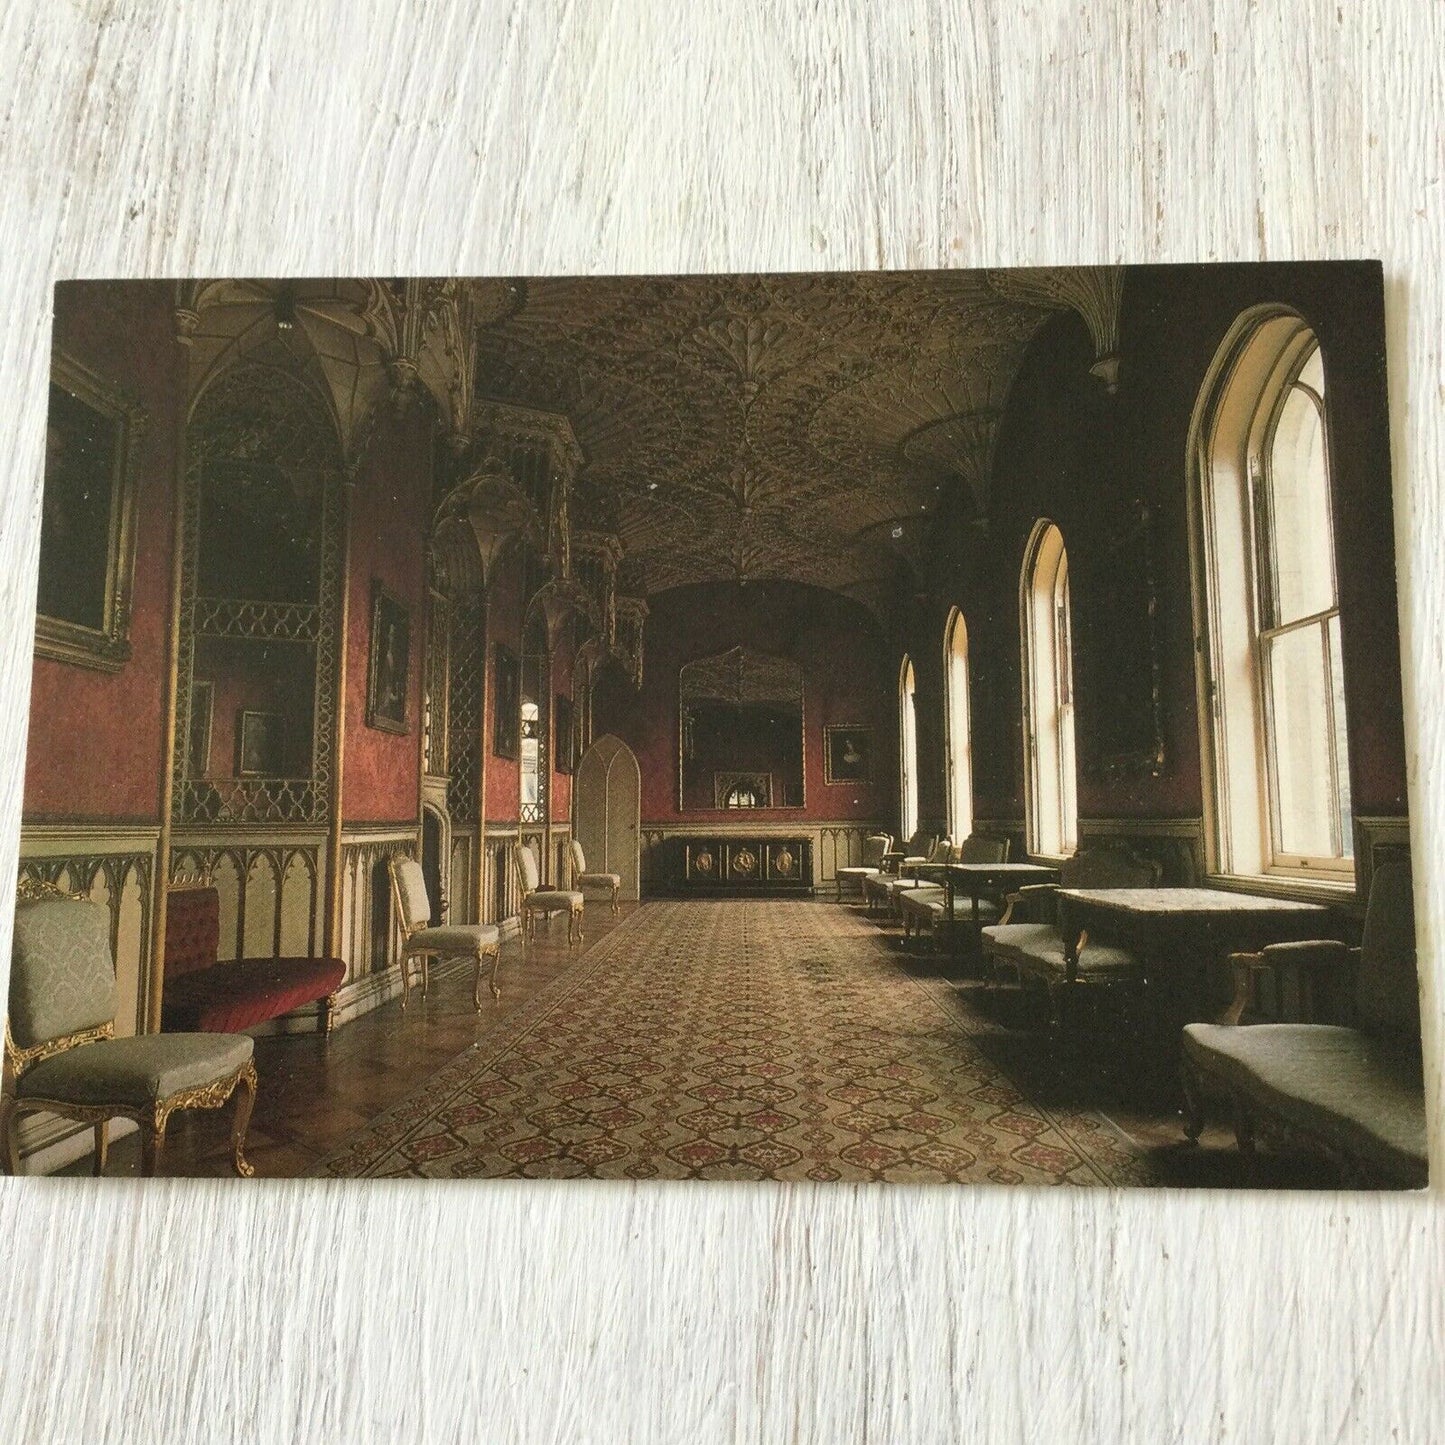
(203, 996)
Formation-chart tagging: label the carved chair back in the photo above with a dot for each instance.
(62, 978)
(1108, 867)
(408, 893)
(524, 861)
(978, 848)
(875, 845)
(579, 859)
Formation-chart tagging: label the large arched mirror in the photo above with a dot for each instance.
(740, 732)
(260, 598)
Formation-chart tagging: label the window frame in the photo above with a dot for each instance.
(1051, 799)
(958, 726)
(1231, 450)
(907, 749)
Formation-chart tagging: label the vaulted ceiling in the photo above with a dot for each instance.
(736, 428)
(791, 426)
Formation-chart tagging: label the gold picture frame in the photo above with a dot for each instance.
(848, 754)
(88, 512)
(390, 666)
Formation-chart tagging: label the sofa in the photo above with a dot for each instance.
(1351, 1090)
(205, 996)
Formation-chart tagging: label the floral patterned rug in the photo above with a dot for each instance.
(737, 1040)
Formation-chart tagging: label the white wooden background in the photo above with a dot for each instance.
(341, 136)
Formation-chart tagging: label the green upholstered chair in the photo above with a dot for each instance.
(581, 878)
(478, 942)
(535, 899)
(61, 1049)
(874, 847)
(1353, 1089)
(923, 908)
(1028, 941)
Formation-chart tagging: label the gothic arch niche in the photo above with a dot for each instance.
(261, 554)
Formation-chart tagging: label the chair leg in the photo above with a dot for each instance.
(405, 980)
(102, 1145)
(1193, 1103)
(425, 974)
(152, 1145)
(9, 1141)
(615, 906)
(1243, 1128)
(245, 1102)
(330, 1006)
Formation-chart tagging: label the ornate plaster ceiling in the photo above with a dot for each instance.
(732, 427)
(757, 427)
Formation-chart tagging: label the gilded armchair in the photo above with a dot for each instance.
(62, 1054)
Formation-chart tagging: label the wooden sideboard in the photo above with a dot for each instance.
(728, 864)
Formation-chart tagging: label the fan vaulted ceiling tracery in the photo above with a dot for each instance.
(757, 427)
(739, 428)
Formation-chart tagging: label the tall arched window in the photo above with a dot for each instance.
(907, 752)
(1271, 682)
(956, 721)
(1048, 670)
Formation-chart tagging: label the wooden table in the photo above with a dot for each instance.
(1176, 933)
(985, 880)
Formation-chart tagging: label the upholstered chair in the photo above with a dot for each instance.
(923, 907)
(911, 870)
(535, 899)
(64, 1057)
(874, 847)
(478, 942)
(581, 878)
(920, 848)
(1028, 941)
(1349, 1080)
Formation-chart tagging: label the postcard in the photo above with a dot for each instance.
(914, 728)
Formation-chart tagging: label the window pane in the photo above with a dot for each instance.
(1301, 539)
(1299, 689)
(1342, 746)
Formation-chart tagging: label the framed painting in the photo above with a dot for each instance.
(260, 744)
(847, 753)
(87, 520)
(386, 686)
(564, 736)
(506, 707)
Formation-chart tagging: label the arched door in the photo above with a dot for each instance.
(607, 811)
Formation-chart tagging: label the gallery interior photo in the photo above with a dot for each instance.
(935, 727)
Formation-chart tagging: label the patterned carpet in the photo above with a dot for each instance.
(737, 1040)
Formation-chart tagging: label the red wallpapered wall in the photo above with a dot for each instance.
(97, 739)
(847, 678)
(504, 626)
(390, 515)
